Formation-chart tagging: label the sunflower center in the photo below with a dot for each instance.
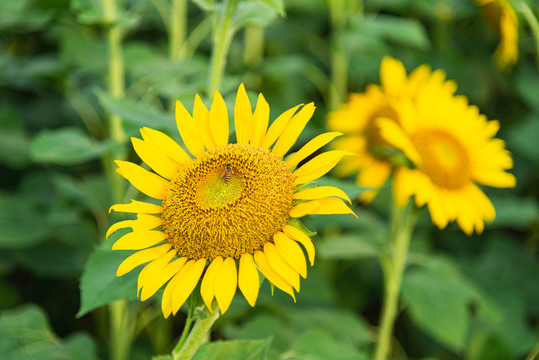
(445, 160)
(228, 202)
(376, 145)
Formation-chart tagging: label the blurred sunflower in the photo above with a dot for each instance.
(357, 120)
(452, 149)
(503, 19)
(231, 207)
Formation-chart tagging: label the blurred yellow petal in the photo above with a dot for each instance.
(137, 207)
(260, 121)
(141, 257)
(248, 278)
(280, 266)
(321, 192)
(226, 282)
(278, 126)
(139, 240)
(163, 165)
(201, 116)
(311, 147)
(395, 135)
(207, 288)
(272, 276)
(187, 281)
(318, 166)
(292, 130)
(298, 235)
(166, 145)
(393, 75)
(188, 131)
(242, 116)
(291, 252)
(147, 182)
(143, 222)
(161, 278)
(219, 120)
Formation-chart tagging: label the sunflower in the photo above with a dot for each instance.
(229, 210)
(357, 120)
(452, 150)
(503, 19)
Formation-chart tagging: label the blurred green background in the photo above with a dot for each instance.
(462, 298)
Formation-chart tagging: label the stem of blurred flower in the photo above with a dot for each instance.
(186, 348)
(253, 51)
(222, 35)
(393, 266)
(178, 29)
(533, 23)
(121, 318)
(339, 61)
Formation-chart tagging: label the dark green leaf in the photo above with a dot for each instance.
(316, 344)
(162, 357)
(512, 211)
(14, 142)
(236, 349)
(522, 137)
(349, 247)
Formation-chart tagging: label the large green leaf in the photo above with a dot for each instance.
(316, 344)
(254, 13)
(236, 349)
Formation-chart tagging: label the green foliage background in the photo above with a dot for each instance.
(462, 298)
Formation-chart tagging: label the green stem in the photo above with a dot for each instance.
(533, 23)
(534, 353)
(393, 266)
(178, 29)
(122, 324)
(222, 37)
(339, 60)
(253, 52)
(186, 348)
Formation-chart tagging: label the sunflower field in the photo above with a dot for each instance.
(269, 179)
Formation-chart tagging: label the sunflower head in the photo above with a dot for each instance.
(225, 208)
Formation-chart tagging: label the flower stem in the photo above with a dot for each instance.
(393, 266)
(253, 52)
(533, 23)
(339, 60)
(178, 29)
(222, 37)
(186, 348)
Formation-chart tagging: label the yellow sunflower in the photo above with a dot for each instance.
(452, 149)
(503, 19)
(227, 211)
(357, 120)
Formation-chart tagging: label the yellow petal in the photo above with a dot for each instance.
(304, 208)
(318, 166)
(393, 75)
(226, 282)
(260, 121)
(139, 240)
(166, 300)
(186, 284)
(331, 205)
(201, 116)
(276, 279)
(141, 257)
(293, 129)
(321, 192)
(291, 252)
(188, 130)
(207, 288)
(280, 266)
(147, 182)
(278, 126)
(137, 207)
(163, 165)
(161, 278)
(165, 145)
(298, 235)
(219, 120)
(248, 278)
(153, 269)
(144, 222)
(391, 132)
(242, 116)
(311, 147)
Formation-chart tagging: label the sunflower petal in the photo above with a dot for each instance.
(331, 205)
(219, 120)
(311, 147)
(162, 165)
(291, 252)
(304, 208)
(165, 145)
(318, 166)
(298, 235)
(147, 182)
(161, 278)
(144, 222)
(207, 288)
(248, 278)
(391, 132)
(276, 279)
(188, 130)
(278, 126)
(153, 269)
(137, 207)
(280, 266)
(201, 116)
(141, 257)
(242, 116)
(186, 283)
(226, 282)
(260, 121)
(166, 300)
(293, 129)
(321, 192)
(139, 240)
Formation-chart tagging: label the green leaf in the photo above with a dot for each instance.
(437, 298)
(522, 137)
(99, 283)
(236, 349)
(65, 146)
(23, 14)
(316, 344)
(277, 5)
(512, 211)
(14, 142)
(253, 13)
(162, 357)
(348, 247)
